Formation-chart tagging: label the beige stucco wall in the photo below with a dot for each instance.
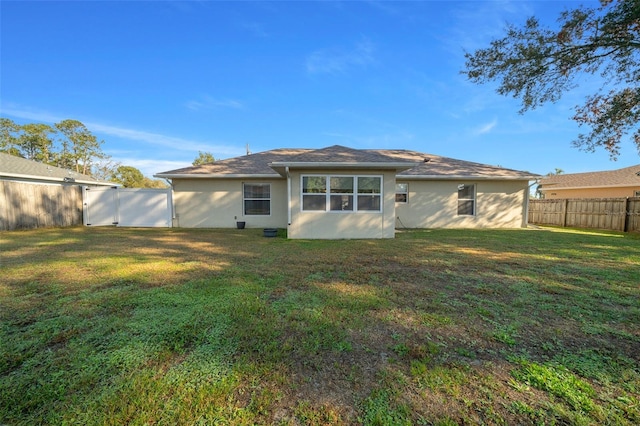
(207, 203)
(551, 194)
(337, 225)
(434, 204)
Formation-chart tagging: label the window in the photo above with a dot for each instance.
(257, 199)
(637, 194)
(466, 200)
(341, 197)
(314, 189)
(402, 192)
(369, 193)
(341, 193)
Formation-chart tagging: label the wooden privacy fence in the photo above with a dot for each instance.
(617, 214)
(26, 205)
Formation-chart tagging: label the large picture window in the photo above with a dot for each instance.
(466, 200)
(257, 199)
(341, 193)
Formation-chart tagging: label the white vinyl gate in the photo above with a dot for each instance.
(127, 207)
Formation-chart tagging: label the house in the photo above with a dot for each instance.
(618, 183)
(340, 192)
(18, 169)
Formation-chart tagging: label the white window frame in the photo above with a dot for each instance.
(473, 199)
(355, 194)
(245, 199)
(400, 192)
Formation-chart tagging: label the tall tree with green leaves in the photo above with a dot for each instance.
(203, 158)
(36, 142)
(9, 137)
(79, 147)
(131, 177)
(128, 176)
(538, 65)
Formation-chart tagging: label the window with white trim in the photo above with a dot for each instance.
(466, 200)
(257, 199)
(339, 193)
(402, 193)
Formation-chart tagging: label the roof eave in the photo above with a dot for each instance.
(466, 177)
(218, 176)
(54, 179)
(550, 187)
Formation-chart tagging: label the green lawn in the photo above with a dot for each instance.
(141, 326)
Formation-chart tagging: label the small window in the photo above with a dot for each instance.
(257, 199)
(637, 194)
(466, 200)
(402, 193)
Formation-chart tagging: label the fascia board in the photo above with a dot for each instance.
(552, 187)
(56, 179)
(219, 176)
(464, 177)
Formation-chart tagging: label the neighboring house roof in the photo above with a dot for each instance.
(625, 177)
(408, 164)
(19, 168)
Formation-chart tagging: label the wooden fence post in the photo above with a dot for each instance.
(627, 214)
(564, 212)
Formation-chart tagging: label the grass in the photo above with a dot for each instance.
(102, 326)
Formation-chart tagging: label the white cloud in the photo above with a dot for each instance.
(154, 139)
(207, 102)
(149, 167)
(340, 60)
(486, 128)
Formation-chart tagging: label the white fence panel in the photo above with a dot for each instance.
(145, 208)
(127, 207)
(100, 206)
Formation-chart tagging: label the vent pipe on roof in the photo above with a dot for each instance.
(248, 152)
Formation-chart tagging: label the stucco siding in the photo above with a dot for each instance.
(434, 204)
(337, 225)
(208, 203)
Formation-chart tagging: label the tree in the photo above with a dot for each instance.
(538, 65)
(35, 142)
(203, 158)
(128, 176)
(80, 148)
(9, 137)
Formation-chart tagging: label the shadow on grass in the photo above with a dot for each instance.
(124, 325)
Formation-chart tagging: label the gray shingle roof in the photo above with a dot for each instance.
(628, 176)
(15, 167)
(413, 163)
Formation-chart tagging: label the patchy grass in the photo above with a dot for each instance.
(445, 327)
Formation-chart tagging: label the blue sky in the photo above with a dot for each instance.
(159, 81)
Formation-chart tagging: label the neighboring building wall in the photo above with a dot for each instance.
(551, 194)
(434, 204)
(337, 225)
(26, 205)
(209, 203)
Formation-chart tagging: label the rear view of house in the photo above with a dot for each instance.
(339, 192)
